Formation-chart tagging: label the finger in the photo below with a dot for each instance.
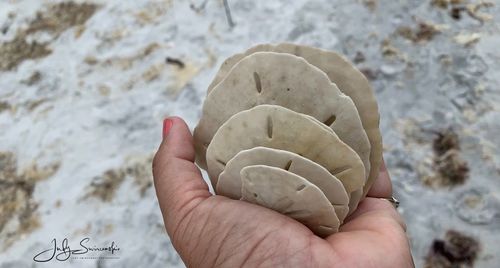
(364, 217)
(382, 187)
(374, 228)
(178, 182)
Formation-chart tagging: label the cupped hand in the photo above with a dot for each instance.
(214, 231)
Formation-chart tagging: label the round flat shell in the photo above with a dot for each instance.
(341, 72)
(354, 199)
(284, 80)
(229, 183)
(291, 195)
(280, 128)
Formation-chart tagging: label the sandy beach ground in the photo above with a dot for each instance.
(84, 87)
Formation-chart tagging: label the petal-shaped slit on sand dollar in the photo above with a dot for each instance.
(291, 195)
(288, 81)
(280, 128)
(341, 72)
(229, 183)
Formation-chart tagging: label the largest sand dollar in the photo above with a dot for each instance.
(343, 73)
(285, 80)
(280, 128)
(291, 195)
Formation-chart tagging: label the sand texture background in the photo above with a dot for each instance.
(84, 87)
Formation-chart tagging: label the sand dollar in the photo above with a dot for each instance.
(343, 73)
(229, 183)
(285, 80)
(354, 199)
(280, 128)
(291, 195)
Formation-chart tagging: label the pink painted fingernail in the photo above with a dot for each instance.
(167, 125)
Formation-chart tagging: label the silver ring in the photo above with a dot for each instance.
(393, 201)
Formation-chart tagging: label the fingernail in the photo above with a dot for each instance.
(167, 125)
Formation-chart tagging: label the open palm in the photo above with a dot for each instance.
(215, 231)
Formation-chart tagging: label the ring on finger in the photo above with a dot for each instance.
(393, 201)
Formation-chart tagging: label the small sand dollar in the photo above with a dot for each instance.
(291, 195)
(280, 128)
(354, 199)
(341, 72)
(229, 183)
(284, 80)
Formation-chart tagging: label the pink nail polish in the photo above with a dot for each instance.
(167, 125)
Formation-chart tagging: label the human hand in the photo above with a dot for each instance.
(214, 231)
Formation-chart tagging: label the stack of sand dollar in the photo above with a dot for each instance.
(294, 129)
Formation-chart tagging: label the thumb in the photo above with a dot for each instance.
(178, 182)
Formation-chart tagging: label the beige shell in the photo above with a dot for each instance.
(280, 128)
(229, 183)
(353, 202)
(291, 195)
(285, 80)
(343, 73)
(354, 199)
